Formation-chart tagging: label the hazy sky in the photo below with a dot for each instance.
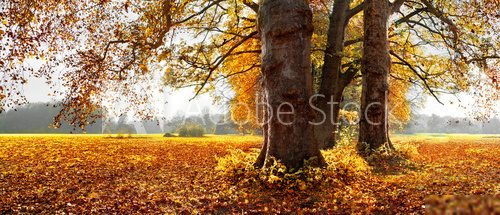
(178, 101)
(175, 101)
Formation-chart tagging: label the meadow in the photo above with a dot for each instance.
(152, 174)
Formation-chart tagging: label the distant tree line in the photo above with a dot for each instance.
(219, 124)
(447, 124)
(38, 118)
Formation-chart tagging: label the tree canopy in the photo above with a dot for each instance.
(95, 52)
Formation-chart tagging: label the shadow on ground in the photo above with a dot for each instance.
(391, 163)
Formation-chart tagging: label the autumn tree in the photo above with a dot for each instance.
(408, 42)
(464, 52)
(286, 29)
(110, 51)
(376, 66)
(94, 54)
(333, 80)
(106, 55)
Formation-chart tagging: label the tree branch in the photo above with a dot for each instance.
(350, 73)
(355, 10)
(409, 16)
(396, 5)
(252, 5)
(353, 41)
(255, 65)
(424, 80)
(442, 17)
(199, 12)
(220, 60)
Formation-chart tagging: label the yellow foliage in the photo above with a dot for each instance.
(399, 106)
(152, 174)
(350, 116)
(346, 159)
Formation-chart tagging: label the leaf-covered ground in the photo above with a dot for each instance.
(150, 174)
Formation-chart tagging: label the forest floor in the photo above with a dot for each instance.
(151, 174)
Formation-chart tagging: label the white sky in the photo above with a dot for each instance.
(177, 101)
(452, 106)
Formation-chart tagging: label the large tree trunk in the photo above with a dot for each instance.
(325, 131)
(286, 28)
(376, 65)
(262, 109)
(333, 82)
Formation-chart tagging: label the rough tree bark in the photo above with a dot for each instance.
(261, 159)
(376, 65)
(332, 83)
(286, 27)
